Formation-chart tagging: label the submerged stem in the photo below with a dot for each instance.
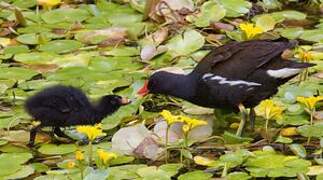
(266, 128)
(166, 143)
(311, 123)
(90, 153)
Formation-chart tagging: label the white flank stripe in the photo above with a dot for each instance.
(207, 75)
(223, 80)
(283, 73)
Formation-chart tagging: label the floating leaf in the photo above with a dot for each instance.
(315, 130)
(186, 43)
(236, 8)
(52, 149)
(298, 150)
(278, 166)
(265, 22)
(198, 174)
(65, 15)
(60, 46)
(211, 11)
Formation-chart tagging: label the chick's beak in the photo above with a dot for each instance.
(125, 101)
(143, 91)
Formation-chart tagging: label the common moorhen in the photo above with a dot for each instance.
(61, 106)
(233, 76)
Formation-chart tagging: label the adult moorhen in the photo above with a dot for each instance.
(61, 106)
(233, 76)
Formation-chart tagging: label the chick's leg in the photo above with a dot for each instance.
(33, 133)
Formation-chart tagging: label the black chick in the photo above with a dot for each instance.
(233, 76)
(61, 106)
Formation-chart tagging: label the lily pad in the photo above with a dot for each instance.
(315, 130)
(211, 11)
(24, 172)
(65, 15)
(315, 35)
(186, 43)
(16, 73)
(52, 149)
(198, 174)
(60, 46)
(11, 162)
(236, 8)
(272, 164)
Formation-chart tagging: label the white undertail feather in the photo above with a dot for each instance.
(283, 73)
(223, 80)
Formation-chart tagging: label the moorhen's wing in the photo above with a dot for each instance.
(229, 91)
(238, 60)
(57, 103)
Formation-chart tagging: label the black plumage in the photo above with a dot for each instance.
(235, 74)
(61, 106)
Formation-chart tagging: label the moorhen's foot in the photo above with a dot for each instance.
(60, 133)
(30, 144)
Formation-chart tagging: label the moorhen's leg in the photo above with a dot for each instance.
(243, 119)
(33, 133)
(60, 133)
(252, 118)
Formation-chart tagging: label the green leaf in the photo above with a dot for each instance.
(236, 8)
(186, 43)
(60, 46)
(10, 163)
(285, 140)
(211, 11)
(24, 172)
(170, 169)
(291, 33)
(230, 138)
(125, 111)
(35, 57)
(124, 172)
(272, 164)
(238, 176)
(315, 35)
(65, 15)
(288, 14)
(266, 22)
(298, 150)
(16, 49)
(52, 149)
(197, 174)
(16, 73)
(315, 130)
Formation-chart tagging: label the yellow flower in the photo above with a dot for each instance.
(169, 118)
(250, 30)
(48, 4)
(70, 164)
(105, 156)
(192, 123)
(269, 110)
(310, 102)
(79, 155)
(91, 132)
(304, 55)
(186, 128)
